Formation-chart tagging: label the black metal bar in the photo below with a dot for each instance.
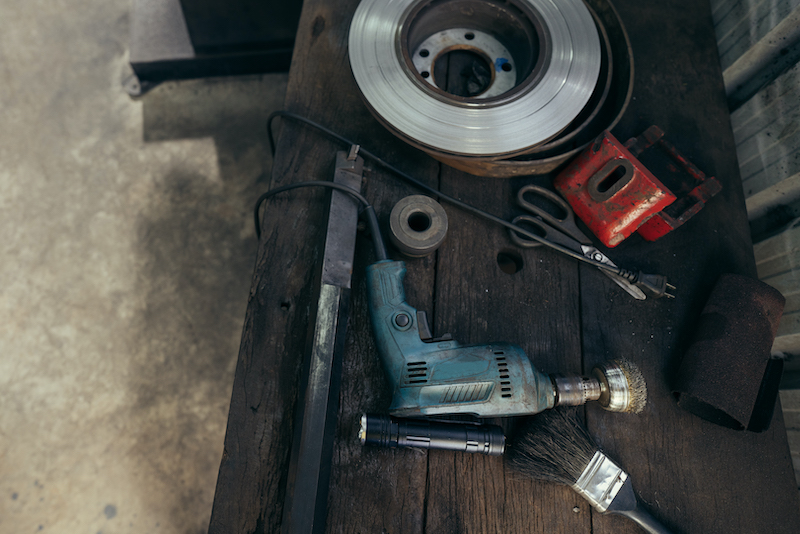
(306, 500)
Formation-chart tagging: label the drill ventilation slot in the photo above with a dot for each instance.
(502, 368)
(416, 372)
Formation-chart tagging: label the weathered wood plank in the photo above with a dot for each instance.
(535, 308)
(252, 476)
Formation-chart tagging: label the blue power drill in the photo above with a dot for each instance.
(440, 376)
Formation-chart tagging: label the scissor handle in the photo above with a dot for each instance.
(540, 229)
(543, 230)
(565, 224)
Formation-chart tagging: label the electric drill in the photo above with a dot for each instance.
(440, 376)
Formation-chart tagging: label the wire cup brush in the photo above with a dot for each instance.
(617, 385)
(556, 447)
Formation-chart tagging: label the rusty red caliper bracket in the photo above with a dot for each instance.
(615, 194)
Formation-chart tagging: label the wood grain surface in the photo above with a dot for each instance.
(693, 475)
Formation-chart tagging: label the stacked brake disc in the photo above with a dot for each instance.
(492, 88)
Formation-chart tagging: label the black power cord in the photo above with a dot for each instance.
(654, 284)
(369, 211)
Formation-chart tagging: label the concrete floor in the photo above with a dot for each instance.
(125, 265)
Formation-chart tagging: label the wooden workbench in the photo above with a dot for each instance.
(693, 475)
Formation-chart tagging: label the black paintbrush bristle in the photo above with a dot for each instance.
(552, 446)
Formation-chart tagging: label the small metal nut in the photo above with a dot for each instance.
(418, 225)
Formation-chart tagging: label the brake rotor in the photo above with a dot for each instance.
(603, 112)
(533, 67)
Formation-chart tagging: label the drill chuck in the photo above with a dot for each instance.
(388, 431)
(575, 390)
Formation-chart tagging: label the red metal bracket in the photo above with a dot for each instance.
(611, 191)
(615, 194)
(685, 207)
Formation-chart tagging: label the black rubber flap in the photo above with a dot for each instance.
(727, 376)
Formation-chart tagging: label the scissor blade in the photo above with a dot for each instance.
(595, 254)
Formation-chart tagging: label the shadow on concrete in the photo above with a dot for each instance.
(197, 249)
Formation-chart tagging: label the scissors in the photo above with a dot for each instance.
(562, 231)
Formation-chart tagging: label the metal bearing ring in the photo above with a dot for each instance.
(418, 225)
(543, 60)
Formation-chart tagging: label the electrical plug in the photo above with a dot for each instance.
(654, 285)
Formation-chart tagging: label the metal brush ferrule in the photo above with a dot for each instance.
(575, 390)
(615, 395)
(600, 481)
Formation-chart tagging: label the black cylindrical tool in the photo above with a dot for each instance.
(387, 431)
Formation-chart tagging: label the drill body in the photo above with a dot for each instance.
(436, 377)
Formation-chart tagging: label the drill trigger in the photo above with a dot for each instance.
(424, 329)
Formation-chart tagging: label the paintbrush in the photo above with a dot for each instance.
(556, 447)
